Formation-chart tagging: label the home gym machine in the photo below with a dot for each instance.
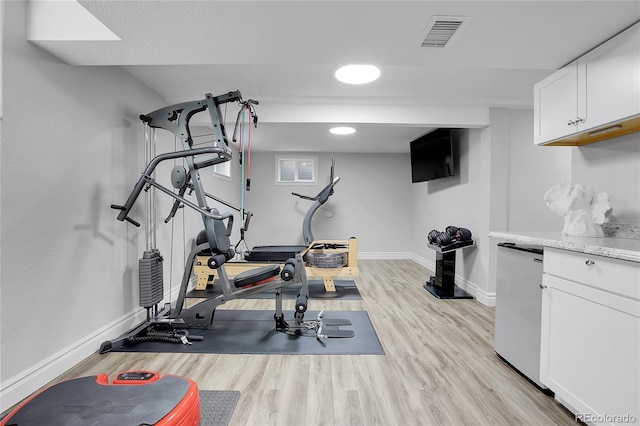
(171, 323)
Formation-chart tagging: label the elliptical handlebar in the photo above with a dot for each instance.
(304, 197)
(323, 195)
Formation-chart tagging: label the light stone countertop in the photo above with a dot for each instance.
(615, 247)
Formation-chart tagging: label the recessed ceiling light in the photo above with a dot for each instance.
(357, 74)
(342, 130)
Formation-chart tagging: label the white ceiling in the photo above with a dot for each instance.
(283, 54)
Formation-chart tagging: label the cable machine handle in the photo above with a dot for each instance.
(245, 105)
(176, 204)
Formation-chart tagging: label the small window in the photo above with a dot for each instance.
(222, 170)
(295, 170)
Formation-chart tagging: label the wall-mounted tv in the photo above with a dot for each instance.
(432, 156)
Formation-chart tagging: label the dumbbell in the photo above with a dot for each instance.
(449, 236)
(444, 239)
(441, 238)
(432, 236)
(452, 235)
(451, 230)
(464, 234)
(458, 234)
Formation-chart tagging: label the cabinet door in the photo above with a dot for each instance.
(609, 81)
(555, 104)
(590, 349)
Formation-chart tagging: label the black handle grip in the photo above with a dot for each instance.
(128, 219)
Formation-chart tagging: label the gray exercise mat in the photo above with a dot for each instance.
(217, 407)
(345, 290)
(253, 332)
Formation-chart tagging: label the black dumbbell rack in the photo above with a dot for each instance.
(442, 285)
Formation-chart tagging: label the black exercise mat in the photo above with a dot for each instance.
(217, 407)
(345, 290)
(253, 332)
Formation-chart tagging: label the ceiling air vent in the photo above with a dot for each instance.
(441, 30)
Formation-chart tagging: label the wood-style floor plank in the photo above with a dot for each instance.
(439, 367)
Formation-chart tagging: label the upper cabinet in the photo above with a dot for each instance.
(593, 98)
(556, 105)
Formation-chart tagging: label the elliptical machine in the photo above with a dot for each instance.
(280, 253)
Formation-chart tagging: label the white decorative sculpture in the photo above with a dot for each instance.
(583, 210)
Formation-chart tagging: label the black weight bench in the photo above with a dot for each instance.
(256, 276)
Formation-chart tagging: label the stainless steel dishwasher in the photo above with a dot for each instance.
(519, 307)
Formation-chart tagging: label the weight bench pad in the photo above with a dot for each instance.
(256, 275)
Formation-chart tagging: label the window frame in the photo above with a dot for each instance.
(297, 160)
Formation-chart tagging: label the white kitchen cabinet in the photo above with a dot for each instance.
(593, 98)
(609, 81)
(590, 339)
(556, 100)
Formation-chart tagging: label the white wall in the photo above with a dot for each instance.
(462, 201)
(499, 186)
(1, 53)
(369, 202)
(532, 170)
(612, 166)
(72, 145)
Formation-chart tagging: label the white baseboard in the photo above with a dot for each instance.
(384, 255)
(16, 388)
(423, 262)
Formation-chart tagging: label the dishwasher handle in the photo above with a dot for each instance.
(529, 249)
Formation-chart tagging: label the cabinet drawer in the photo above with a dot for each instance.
(608, 274)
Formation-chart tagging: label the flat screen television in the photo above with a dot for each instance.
(432, 156)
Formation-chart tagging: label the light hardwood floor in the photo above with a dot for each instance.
(439, 367)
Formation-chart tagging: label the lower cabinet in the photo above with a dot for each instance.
(590, 340)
